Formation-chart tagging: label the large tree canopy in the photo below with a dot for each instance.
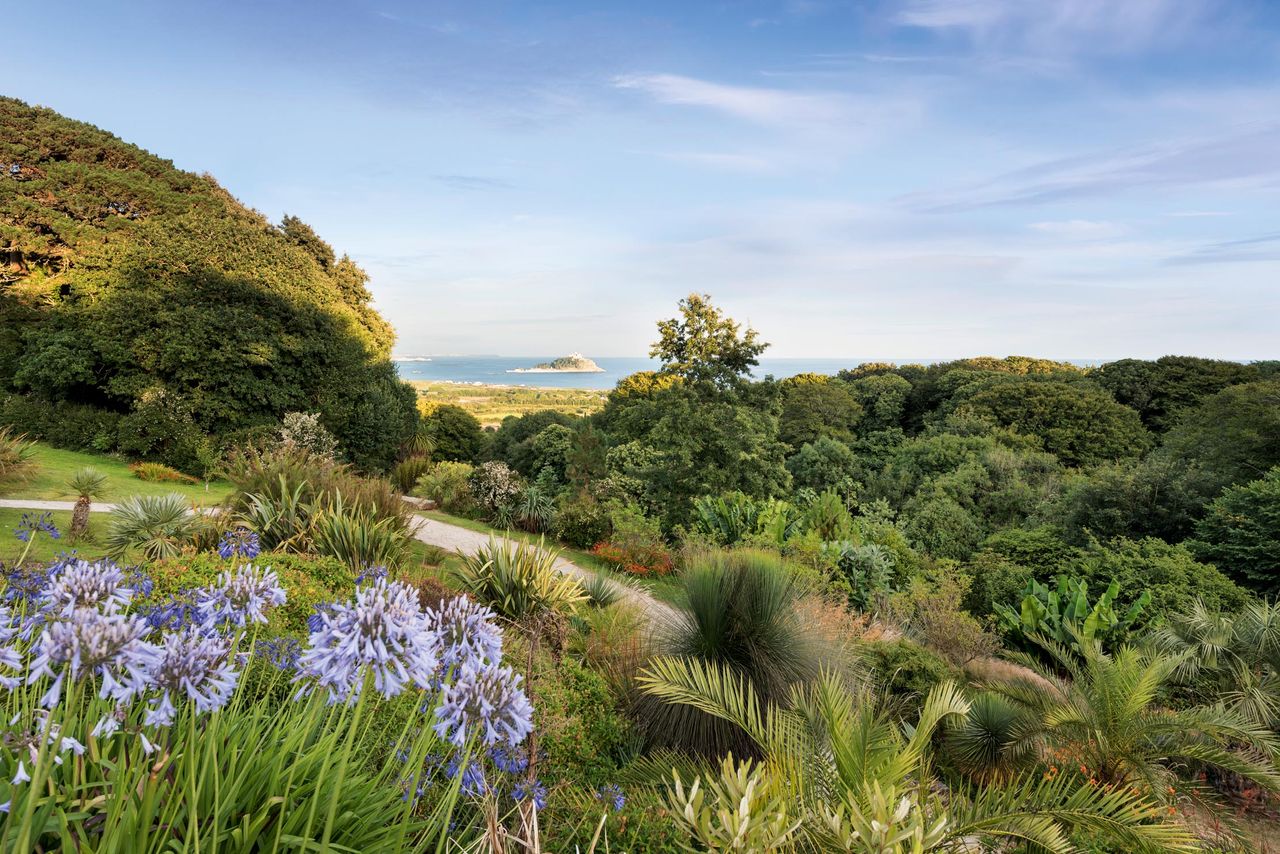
(125, 277)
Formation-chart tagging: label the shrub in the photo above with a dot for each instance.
(158, 526)
(579, 730)
(518, 580)
(406, 473)
(907, 669)
(582, 521)
(865, 570)
(636, 545)
(448, 484)
(494, 485)
(160, 428)
(1241, 533)
(61, 424)
(456, 433)
(159, 473)
(932, 613)
(535, 509)
(303, 432)
(308, 580)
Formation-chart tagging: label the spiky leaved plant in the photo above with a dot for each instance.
(86, 484)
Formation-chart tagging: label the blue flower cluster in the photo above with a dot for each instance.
(30, 524)
(241, 597)
(612, 794)
(239, 543)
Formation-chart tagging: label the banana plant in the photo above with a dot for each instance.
(1066, 616)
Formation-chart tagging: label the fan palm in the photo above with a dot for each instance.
(1104, 715)
(861, 780)
(159, 526)
(86, 484)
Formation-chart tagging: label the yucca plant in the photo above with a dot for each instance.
(86, 484)
(518, 580)
(995, 740)
(406, 473)
(157, 526)
(535, 509)
(356, 538)
(15, 454)
(859, 780)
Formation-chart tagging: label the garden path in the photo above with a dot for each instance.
(465, 541)
(431, 531)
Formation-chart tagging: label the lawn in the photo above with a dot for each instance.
(43, 547)
(53, 467)
(665, 589)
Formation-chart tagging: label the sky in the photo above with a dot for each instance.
(918, 179)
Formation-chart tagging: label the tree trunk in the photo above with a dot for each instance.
(80, 518)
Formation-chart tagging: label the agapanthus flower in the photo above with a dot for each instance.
(382, 634)
(81, 584)
(139, 582)
(534, 791)
(21, 776)
(241, 597)
(467, 632)
(25, 583)
(193, 663)
(371, 573)
(612, 793)
(473, 781)
(170, 616)
(30, 524)
(241, 543)
(87, 641)
(10, 658)
(282, 653)
(487, 700)
(507, 760)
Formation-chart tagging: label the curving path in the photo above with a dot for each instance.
(431, 531)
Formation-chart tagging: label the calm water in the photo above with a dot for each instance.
(492, 370)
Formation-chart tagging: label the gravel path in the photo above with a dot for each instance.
(455, 538)
(431, 531)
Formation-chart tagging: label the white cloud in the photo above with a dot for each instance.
(754, 104)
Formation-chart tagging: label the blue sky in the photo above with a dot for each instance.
(913, 179)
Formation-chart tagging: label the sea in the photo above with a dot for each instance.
(493, 370)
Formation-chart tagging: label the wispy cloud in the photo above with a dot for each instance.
(1265, 247)
(755, 104)
(472, 182)
(726, 160)
(1079, 229)
(1250, 154)
(1058, 28)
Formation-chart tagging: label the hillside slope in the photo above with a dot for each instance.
(151, 308)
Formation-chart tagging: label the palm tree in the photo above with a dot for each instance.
(1104, 715)
(86, 484)
(858, 780)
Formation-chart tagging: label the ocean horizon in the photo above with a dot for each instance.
(496, 370)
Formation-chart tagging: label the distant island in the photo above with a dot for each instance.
(574, 363)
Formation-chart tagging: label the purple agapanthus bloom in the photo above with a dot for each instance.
(241, 543)
(81, 584)
(467, 633)
(241, 597)
(382, 634)
(507, 760)
(282, 653)
(487, 700)
(534, 791)
(192, 663)
(87, 641)
(612, 793)
(10, 658)
(30, 524)
(473, 781)
(170, 616)
(371, 573)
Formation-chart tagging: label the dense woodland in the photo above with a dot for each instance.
(1008, 605)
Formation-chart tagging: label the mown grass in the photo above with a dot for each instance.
(43, 547)
(51, 468)
(492, 403)
(665, 589)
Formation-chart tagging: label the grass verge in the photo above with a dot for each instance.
(52, 467)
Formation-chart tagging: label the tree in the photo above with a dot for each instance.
(883, 397)
(1241, 533)
(588, 461)
(1078, 424)
(1155, 497)
(704, 347)
(506, 442)
(1161, 390)
(300, 234)
(815, 406)
(456, 433)
(822, 465)
(1233, 436)
(86, 484)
